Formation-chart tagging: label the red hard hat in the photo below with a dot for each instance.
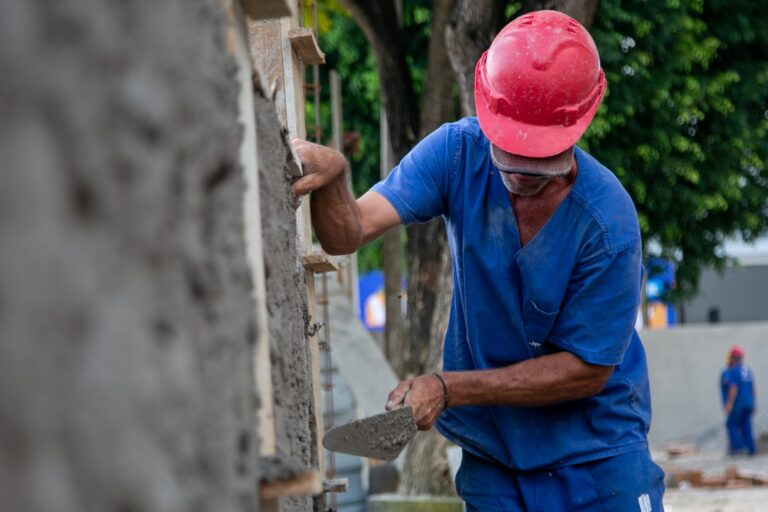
(538, 86)
(737, 351)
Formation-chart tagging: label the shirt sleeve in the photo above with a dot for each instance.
(418, 186)
(597, 318)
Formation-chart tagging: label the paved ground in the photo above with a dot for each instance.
(715, 500)
(713, 462)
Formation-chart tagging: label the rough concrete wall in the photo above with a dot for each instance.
(286, 298)
(684, 366)
(125, 308)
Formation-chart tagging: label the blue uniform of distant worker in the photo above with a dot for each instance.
(574, 287)
(738, 385)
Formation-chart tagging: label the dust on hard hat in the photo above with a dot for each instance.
(539, 85)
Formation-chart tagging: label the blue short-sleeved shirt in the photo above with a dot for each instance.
(575, 287)
(741, 376)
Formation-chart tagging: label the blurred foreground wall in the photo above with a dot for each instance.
(684, 364)
(126, 310)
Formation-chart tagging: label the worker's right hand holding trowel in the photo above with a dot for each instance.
(427, 395)
(414, 403)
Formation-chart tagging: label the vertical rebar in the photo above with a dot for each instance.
(327, 377)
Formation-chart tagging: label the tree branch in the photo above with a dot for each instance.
(582, 11)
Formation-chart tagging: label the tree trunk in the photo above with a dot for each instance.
(582, 11)
(473, 26)
(426, 465)
(427, 242)
(378, 20)
(429, 276)
(458, 40)
(392, 265)
(430, 284)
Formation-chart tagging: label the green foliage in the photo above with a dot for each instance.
(348, 52)
(684, 123)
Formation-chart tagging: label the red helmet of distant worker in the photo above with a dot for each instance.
(736, 351)
(539, 85)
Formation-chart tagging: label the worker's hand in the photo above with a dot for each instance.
(320, 164)
(424, 395)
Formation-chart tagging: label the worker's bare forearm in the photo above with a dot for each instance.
(536, 382)
(336, 217)
(341, 223)
(335, 214)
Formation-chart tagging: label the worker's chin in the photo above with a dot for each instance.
(525, 186)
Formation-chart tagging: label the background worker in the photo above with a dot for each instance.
(545, 384)
(739, 403)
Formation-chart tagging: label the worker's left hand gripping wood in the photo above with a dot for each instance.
(272, 53)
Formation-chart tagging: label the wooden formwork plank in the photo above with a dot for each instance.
(267, 55)
(336, 485)
(305, 45)
(320, 263)
(306, 484)
(237, 45)
(273, 54)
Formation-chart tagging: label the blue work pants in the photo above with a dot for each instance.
(739, 425)
(624, 483)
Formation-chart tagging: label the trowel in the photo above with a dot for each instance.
(381, 437)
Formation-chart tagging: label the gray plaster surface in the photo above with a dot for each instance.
(684, 365)
(125, 297)
(126, 310)
(286, 296)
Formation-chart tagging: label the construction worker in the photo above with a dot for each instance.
(739, 403)
(544, 383)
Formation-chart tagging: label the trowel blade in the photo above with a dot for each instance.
(380, 437)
